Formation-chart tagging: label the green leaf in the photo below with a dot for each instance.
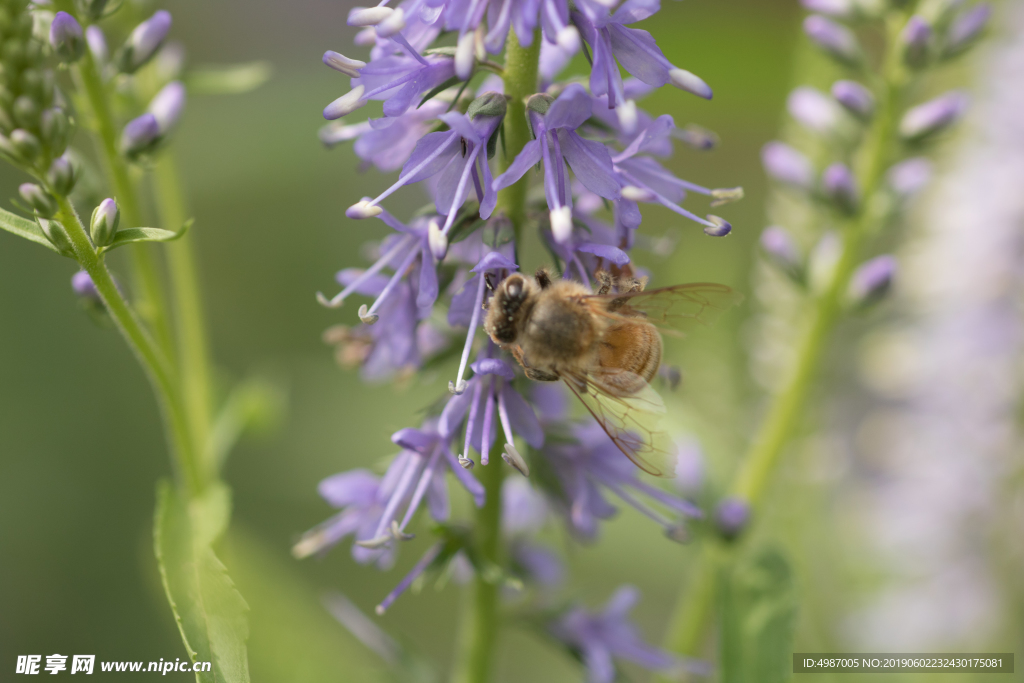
(228, 79)
(210, 613)
(451, 82)
(22, 227)
(758, 603)
(129, 235)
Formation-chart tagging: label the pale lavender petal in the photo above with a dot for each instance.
(355, 487)
(633, 11)
(413, 439)
(493, 366)
(524, 420)
(591, 163)
(495, 260)
(526, 159)
(428, 289)
(605, 251)
(432, 153)
(639, 54)
(570, 110)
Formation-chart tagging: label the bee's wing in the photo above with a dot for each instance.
(670, 307)
(629, 411)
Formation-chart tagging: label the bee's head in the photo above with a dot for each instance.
(508, 307)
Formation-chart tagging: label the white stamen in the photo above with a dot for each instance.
(721, 227)
(363, 209)
(307, 546)
(339, 299)
(368, 16)
(464, 55)
(346, 104)
(379, 610)
(366, 316)
(398, 534)
(437, 240)
(466, 462)
(512, 457)
(457, 389)
(374, 543)
(637, 194)
(459, 386)
(690, 82)
(561, 224)
(339, 62)
(569, 39)
(392, 25)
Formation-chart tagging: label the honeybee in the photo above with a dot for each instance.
(604, 345)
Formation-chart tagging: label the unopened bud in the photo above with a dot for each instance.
(836, 40)
(66, 37)
(97, 43)
(965, 29)
(854, 98)
(56, 130)
(437, 240)
(872, 281)
(26, 112)
(840, 187)
(57, 235)
(465, 55)
(140, 135)
(363, 209)
(368, 16)
(916, 41)
(62, 176)
(813, 109)
(778, 246)
(785, 164)
(540, 103)
(105, 219)
(346, 104)
(909, 176)
(933, 116)
(726, 195)
(167, 105)
(41, 201)
(339, 62)
(144, 41)
(732, 517)
(488, 104)
(690, 82)
(561, 224)
(719, 228)
(84, 287)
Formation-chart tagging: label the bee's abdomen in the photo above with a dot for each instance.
(635, 347)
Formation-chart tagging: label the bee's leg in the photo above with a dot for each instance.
(540, 376)
(606, 279)
(543, 278)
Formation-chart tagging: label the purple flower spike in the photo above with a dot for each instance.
(557, 143)
(731, 517)
(910, 176)
(167, 105)
(601, 637)
(84, 287)
(933, 116)
(836, 40)
(872, 281)
(140, 135)
(855, 98)
(916, 39)
(66, 37)
(144, 41)
(813, 109)
(785, 164)
(840, 187)
(966, 28)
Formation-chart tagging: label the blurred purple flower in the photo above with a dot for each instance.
(785, 164)
(396, 80)
(387, 142)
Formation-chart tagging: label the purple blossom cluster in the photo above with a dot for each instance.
(442, 124)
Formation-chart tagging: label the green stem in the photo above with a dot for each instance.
(480, 625)
(193, 352)
(479, 631)
(786, 410)
(151, 301)
(146, 351)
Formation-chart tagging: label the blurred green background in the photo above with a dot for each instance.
(80, 440)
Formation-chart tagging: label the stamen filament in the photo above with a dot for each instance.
(383, 261)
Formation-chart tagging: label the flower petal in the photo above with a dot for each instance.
(605, 251)
(591, 163)
(639, 54)
(493, 366)
(355, 487)
(529, 157)
(570, 110)
(524, 420)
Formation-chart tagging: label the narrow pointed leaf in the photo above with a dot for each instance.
(22, 227)
(129, 235)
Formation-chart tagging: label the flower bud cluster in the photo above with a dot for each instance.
(34, 127)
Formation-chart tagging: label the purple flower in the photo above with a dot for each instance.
(835, 39)
(813, 109)
(459, 158)
(84, 287)
(167, 105)
(645, 180)
(557, 143)
(140, 135)
(488, 399)
(97, 43)
(592, 246)
(598, 638)
(635, 50)
(933, 116)
(387, 142)
(855, 98)
(144, 41)
(731, 517)
(785, 164)
(872, 280)
(591, 464)
(965, 28)
(397, 80)
(916, 41)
